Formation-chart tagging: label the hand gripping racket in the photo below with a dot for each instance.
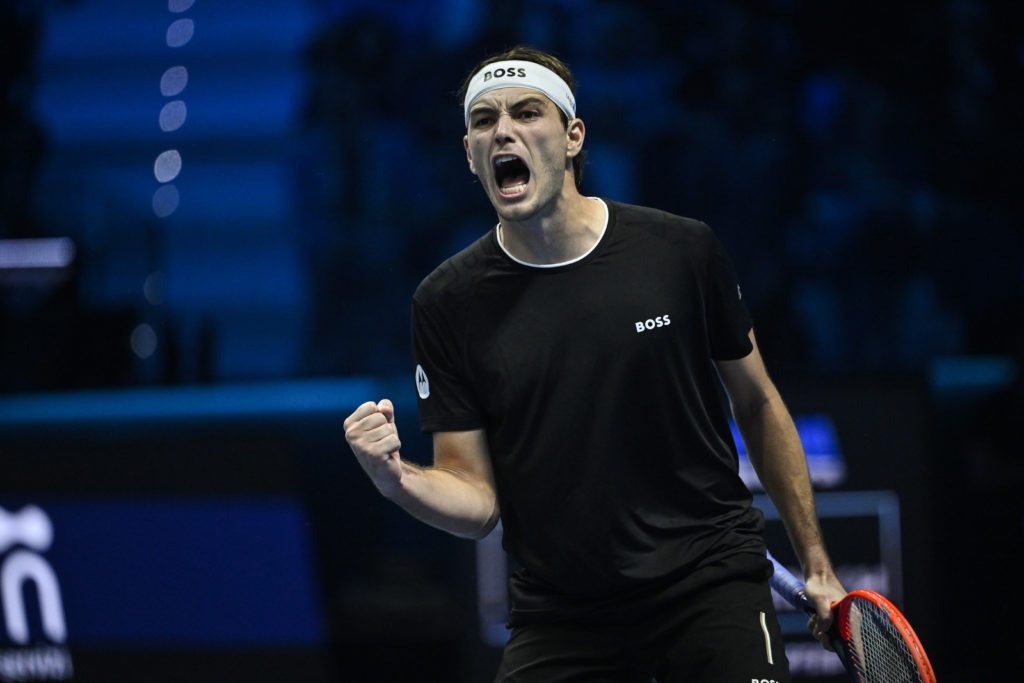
(871, 637)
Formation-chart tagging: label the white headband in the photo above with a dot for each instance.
(521, 74)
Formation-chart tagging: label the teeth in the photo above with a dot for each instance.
(514, 189)
(504, 159)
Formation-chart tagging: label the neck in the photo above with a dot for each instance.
(566, 232)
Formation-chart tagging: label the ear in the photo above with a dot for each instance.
(574, 135)
(469, 156)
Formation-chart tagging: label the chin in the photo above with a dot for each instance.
(518, 209)
(516, 212)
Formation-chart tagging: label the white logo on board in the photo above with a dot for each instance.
(32, 529)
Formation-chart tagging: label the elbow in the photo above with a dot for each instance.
(754, 404)
(487, 527)
(745, 412)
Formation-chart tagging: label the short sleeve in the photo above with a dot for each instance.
(446, 398)
(728, 320)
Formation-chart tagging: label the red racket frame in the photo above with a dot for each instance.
(897, 619)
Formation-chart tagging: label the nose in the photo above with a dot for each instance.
(503, 128)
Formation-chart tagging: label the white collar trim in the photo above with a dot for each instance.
(579, 258)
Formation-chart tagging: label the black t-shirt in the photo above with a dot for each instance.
(606, 421)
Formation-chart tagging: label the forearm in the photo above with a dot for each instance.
(445, 500)
(457, 495)
(777, 456)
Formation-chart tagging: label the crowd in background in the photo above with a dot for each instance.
(859, 165)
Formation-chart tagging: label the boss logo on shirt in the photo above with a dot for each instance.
(652, 323)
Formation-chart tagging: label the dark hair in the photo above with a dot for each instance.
(529, 54)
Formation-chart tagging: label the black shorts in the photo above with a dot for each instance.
(727, 631)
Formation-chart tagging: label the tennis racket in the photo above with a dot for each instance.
(871, 637)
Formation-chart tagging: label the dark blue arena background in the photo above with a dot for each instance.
(213, 215)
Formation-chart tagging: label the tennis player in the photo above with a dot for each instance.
(570, 366)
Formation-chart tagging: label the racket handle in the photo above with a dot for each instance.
(789, 587)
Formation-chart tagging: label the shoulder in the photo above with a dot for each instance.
(456, 277)
(666, 228)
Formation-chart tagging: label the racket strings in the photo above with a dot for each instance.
(876, 648)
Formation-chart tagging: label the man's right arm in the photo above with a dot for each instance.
(456, 495)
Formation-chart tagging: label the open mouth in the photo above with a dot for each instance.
(511, 175)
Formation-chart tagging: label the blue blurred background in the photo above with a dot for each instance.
(213, 215)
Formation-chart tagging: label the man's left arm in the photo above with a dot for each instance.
(774, 448)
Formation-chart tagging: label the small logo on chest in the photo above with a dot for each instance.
(652, 323)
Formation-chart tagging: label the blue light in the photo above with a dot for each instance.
(239, 401)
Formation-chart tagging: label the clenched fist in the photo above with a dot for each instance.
(373, 437)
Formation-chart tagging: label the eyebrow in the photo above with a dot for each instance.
(526, 101)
